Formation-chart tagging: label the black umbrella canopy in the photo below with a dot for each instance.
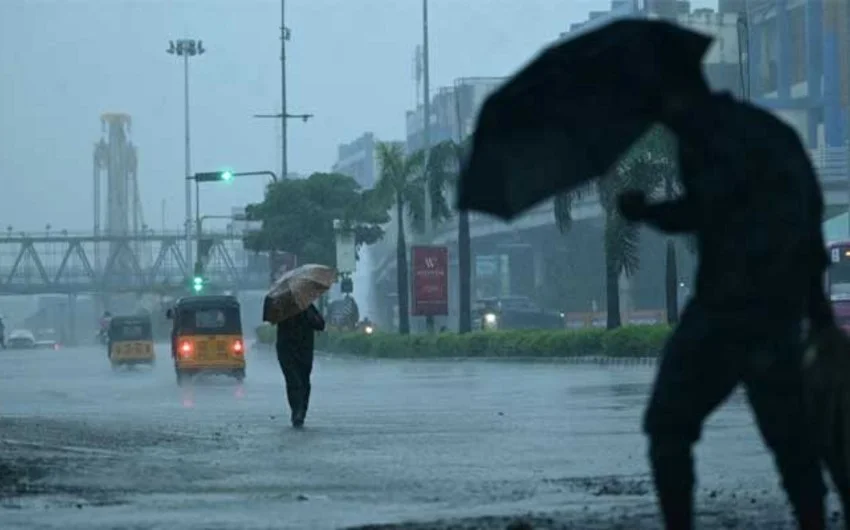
(571, 113)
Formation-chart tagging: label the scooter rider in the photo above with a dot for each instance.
(104, 326)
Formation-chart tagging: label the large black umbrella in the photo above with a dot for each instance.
(570, 114)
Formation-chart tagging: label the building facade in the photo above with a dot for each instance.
(453, 112)
(798, 64)
(358, 160)
(514, 258)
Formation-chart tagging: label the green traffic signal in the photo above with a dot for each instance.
(215, 176)
(198, 284)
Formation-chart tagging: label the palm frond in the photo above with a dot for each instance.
(622, 243)
(691, 244)
(440, 174)
(658, 145)
(413, 197)
(564, 202)
(412, 166)
(391, 160)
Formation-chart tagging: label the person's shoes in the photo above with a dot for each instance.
(298, 419)
(815, 520)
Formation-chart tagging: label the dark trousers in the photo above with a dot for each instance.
(705, 359)
(296, 367)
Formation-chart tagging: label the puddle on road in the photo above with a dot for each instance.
(39, 502)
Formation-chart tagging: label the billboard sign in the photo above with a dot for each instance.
(430, 267)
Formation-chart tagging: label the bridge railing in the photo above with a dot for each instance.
(48, 262)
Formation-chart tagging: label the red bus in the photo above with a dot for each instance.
(838, 281)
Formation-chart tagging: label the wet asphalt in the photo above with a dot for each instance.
(83, 447)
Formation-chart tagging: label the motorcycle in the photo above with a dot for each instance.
(366, 328)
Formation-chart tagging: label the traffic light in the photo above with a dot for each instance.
(215, 176)
(197, 284)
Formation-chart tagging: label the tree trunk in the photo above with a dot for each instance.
(464, 253)
(671, 273)
(401, 272)
(672, 284)
(612, 288)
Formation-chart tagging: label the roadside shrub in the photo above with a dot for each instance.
(266, 334)
(628, 341)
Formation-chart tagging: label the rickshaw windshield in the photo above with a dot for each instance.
(210, 320)
(130, 331)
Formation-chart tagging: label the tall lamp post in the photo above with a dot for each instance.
(283, 115)
(186, 48)
(426, 110)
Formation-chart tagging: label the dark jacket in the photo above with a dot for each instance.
(296, 334)
(754, 203)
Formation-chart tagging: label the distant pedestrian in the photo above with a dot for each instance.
(295, 342)
(2, 334)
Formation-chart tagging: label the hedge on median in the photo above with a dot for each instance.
(627, 341)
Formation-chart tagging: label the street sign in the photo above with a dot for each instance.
(346, 250)
(430, 280)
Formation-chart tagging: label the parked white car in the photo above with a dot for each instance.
(20, 339)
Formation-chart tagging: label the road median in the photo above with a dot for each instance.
(599, 345)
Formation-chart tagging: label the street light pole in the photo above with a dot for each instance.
(284, 169)
(188, 153)
(186, 48)
(197, 221)
(426, 79)
(283, 115)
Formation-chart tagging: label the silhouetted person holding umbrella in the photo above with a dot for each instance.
(752, 200)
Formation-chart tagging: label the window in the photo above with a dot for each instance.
(131, 331)
(210, 319)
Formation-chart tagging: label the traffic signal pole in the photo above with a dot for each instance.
(198, 224)
(213, 176)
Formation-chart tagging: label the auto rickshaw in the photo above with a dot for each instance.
(130, 341)
(206, 337)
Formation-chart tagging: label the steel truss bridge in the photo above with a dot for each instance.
(145, 264)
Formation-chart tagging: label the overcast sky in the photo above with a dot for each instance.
(350, 62)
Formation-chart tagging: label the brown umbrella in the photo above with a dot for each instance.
(827, 373)
(295, 290)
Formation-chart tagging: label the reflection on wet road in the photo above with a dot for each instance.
(385, 441)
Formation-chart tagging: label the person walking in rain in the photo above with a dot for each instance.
(752, 200)
(295, 340)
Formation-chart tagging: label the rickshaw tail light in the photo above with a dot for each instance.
(237, 347)
(186, 349)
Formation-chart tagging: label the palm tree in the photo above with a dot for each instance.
(401, 181)
(660, 151)
(443, 171)
(642, 168)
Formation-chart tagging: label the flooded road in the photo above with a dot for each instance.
(385, 441)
